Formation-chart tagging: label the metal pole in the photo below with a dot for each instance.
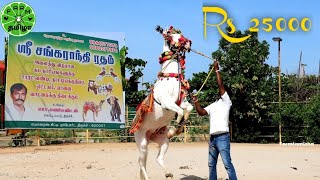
(38, 137)
(87, 135)
(185, 133)
(279, 80)
(126, 123)
(6, 44)
(73, 136)
(127, 116)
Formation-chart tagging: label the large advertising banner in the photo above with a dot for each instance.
(63, 80)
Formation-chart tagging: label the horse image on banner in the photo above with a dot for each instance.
(167, 98)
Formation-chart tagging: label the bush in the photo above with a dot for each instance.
(300, 122)
(312, 120)
(292, 120)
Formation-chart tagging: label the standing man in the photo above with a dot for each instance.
(219, 129)
(16, 110)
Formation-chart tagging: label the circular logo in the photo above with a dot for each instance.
(18, 18)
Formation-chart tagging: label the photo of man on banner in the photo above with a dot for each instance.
(16, 110)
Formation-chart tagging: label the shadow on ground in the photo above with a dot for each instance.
(192, 177)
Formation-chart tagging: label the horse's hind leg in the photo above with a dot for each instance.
(163, 147)
(142, 144)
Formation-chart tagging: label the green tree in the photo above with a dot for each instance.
(291, 116)
(247, 79)
(312, 121)
(123, 55)
(300, 121)
(134, 67)
(299, 89)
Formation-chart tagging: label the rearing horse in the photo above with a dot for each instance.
(167, 95)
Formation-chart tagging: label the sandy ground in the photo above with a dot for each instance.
(186, 161)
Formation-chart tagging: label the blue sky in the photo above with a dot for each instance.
(136, 20)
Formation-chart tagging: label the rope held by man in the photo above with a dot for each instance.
(205, 81)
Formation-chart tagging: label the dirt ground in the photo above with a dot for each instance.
(106, 161)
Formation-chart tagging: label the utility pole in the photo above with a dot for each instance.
(298, 78)
(278, 39)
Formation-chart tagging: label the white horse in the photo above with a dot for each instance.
(166, 93)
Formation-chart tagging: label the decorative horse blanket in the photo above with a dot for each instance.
(144, 107)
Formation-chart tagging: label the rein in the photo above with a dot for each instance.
(205, 81)
(205, 137)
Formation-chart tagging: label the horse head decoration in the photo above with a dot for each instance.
(155, 113)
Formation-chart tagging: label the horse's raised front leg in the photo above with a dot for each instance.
(142, 143)
(188, 107)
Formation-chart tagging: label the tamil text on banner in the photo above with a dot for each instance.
(63, 80)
